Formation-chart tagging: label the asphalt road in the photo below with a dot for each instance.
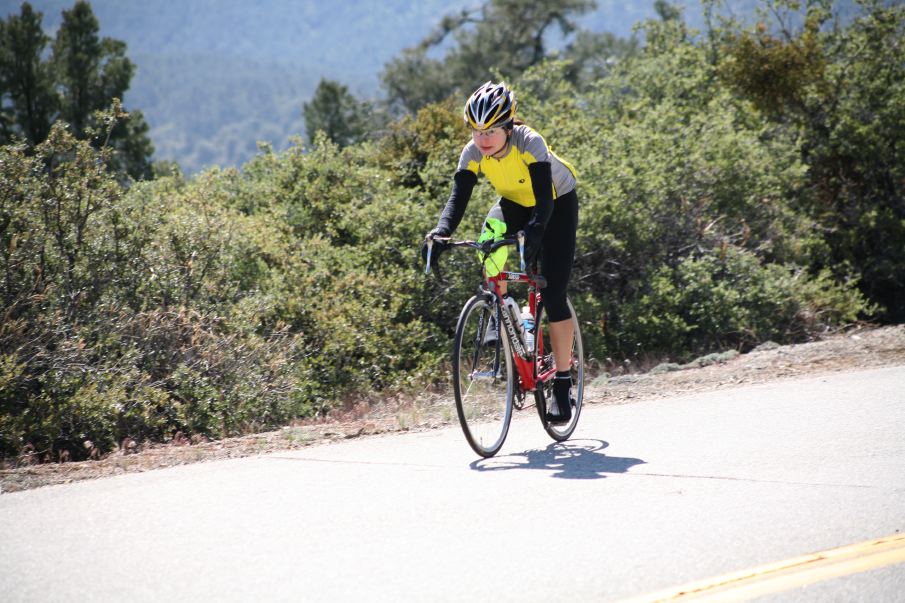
(645, 497)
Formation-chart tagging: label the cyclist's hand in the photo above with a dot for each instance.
(439, 246)
(534, 236)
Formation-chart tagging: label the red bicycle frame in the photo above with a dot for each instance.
(530, 366)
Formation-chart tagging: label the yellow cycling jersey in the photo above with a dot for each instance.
(510, 176)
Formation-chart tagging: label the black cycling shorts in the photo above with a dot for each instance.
(558, 250)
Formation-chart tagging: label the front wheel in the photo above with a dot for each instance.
(543, 354)
(483, 376)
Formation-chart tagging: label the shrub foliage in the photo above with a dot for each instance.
(716, 212)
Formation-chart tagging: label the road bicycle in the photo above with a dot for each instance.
(497, 365)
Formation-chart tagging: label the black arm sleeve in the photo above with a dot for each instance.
(542, 185)
(463, 184)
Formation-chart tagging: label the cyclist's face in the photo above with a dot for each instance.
(490, 141)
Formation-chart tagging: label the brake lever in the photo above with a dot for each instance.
(436, 267)
(521, 249)
(430, 250)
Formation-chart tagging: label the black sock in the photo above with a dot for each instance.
(561, 386)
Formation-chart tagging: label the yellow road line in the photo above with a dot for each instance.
(784, 575)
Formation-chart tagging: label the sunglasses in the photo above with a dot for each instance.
(489, 132)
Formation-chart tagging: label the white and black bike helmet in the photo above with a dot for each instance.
(491, 106)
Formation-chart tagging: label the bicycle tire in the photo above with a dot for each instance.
(483, 377)
(544, 391)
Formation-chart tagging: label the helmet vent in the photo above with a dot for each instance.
(491, 105)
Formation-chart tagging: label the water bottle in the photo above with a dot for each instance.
(528, 328)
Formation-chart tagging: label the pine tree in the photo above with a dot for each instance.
(27, 97)
(83, 75)
(335, 112)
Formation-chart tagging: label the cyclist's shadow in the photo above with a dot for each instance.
(573, 459)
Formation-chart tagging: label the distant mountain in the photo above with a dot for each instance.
(215, 76)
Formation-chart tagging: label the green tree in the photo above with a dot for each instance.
(504, 36)
(91, 72)
(27, 97)
(414, 80)
(594, 55)
(668, 11)
(84, 74)
(335, 112)
(841, 89)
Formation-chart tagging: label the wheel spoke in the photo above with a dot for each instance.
(482, 379)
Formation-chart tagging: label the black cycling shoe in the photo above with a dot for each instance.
(562, 400)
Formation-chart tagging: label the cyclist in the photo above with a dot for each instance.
(537, 196)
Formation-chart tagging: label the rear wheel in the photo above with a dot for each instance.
(483, 376)
(543, 353)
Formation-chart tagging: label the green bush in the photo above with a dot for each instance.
(734, 300)
(242, 299)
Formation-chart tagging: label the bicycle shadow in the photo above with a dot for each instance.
(574, 459)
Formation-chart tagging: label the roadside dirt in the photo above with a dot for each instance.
(854, 350)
